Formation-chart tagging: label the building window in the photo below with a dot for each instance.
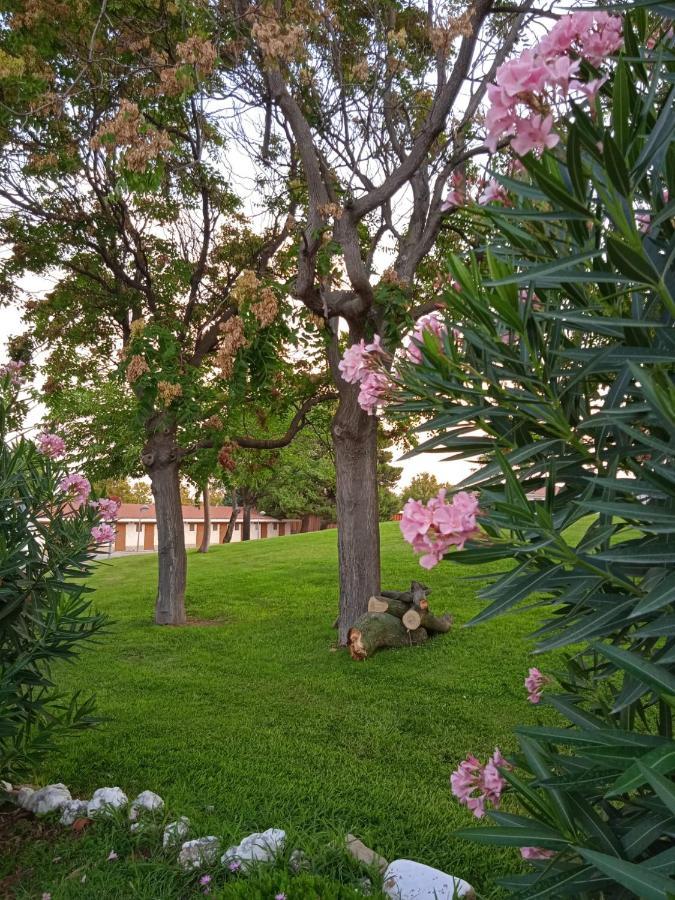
(192, 526)
(236, 526)
(214, 526)
(139, 527)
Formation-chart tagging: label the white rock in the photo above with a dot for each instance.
(408, 880)
(259, 847)
(199, 852)
(6, 787)
(106, 799)
(147, 801)
(48, 799)
(176, 832)
(74, 809)
(23, 796)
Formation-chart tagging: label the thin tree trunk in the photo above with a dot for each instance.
(229, 534)
(246, 524)
(355, 441)
(161, 461)
(206, 537)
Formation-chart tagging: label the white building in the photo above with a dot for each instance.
(136, 526)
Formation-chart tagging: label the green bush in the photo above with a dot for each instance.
(564, 378)
(46, 550)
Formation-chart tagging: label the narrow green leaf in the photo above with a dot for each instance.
(639, 879)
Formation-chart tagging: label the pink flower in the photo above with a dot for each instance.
(560, 71)
(536, 853)
(12, 369)
(474, 785)
(434, 528)
(280, 896)
(432, 324)
(534, 134)
(106, 507)
(534, 684)
(205, 879)
(526, 74)
(493, 191)
(112, 856)
(374, 388)
(103, 534)
(589, 88)
(51, 445)
(603, 40)
(234, 866)
(457, 194)
(354, 362)
(78, 486)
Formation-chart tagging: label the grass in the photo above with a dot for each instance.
(253, 722)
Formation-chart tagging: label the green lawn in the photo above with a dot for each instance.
(254, 722)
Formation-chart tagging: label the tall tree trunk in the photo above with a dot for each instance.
(160, 459)
(206, 537)
(229, 534)
(246, 524)
(355, 442)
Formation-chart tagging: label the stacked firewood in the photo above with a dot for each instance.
(396, 619)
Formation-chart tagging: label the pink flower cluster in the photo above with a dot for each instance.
(530, 87)
(434, 527)
(361, 364)
(535, 684)
(76, 485)
(12, 369)
(457, 193)
(432, 324)
(51, 445)
(107, 507)
(474, 784)
(488, 192)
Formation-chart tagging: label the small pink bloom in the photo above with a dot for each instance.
(534, 133)
(103, 534)
(534, 684)
(433, 324)
(561, 70)
(12, 370)
(434, 528)
(536, 853)
(375, 387)
(107, 508)
(234, 866)
(353, 364)
(205, 879)
(280, 896)
(589, 88)
(76, 485)
(474, 785)
(493, 192)
(112, 856)
(525, 74)
(51, 445)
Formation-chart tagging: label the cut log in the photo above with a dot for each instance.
(389, 605)
(375, 630)
(422, 618)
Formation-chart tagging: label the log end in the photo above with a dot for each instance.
(355, 644)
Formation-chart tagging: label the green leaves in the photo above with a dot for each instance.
(564, 388)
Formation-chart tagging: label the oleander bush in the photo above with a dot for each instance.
(556, 368)
(48, 530)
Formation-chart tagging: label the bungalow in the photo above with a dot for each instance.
(136, 527)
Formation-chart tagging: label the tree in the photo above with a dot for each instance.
(423, 487)
(362, 97)
(165, 308)
(564, 375)
(124, 490)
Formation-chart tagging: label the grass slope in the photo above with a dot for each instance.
(254, 723)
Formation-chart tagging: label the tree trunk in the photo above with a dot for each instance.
(355, 442)
(229, 534)
(375, 630)
(246, 524)
(206, 537)
(160, 459)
